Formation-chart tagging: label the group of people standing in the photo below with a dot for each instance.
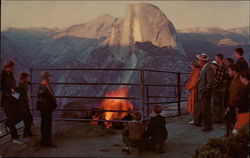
(219, 92)
(15, 101)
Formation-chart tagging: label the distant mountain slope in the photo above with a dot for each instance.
(214, 40)
(214, 35)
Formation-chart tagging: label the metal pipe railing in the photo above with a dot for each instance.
(144, 89)
(81, 83)
(179, 93)
(142, 93)
(95, 110)
(89, 97)
(85, 69)
(165, 71)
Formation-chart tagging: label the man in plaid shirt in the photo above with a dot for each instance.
(220, 73)
(219, 90)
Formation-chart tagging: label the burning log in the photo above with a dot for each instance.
(114, 105)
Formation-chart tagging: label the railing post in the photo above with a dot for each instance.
(31, 92)
(142, 93)
(179, 92)
(147, 90)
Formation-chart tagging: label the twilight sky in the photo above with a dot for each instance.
(183, 14)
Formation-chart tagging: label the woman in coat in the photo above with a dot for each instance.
(191, 86)
(46, 104)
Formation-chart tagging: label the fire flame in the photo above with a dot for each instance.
(115, 104)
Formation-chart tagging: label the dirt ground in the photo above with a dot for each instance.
(77, 139)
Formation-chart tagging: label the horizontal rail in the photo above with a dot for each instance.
(89, 120)
(161, 85)
(161, 97)
(94, 110)
(148, 118)
(163, 102)
(86, 69)
(75, 83)
(103, 69)
(128, 84)
(87, 97)
(175, 72)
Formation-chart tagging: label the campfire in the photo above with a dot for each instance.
(114, 104)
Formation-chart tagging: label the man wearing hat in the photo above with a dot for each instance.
(203, 113)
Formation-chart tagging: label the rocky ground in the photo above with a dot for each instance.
(77, 139)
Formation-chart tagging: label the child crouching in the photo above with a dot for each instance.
(133, 134)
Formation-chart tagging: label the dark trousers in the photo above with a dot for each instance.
(27, 120)
(218, 105)
(139, 144)
(11, 123)
(203, 114)
(197, 113)
(46, 127)
(230, 120)
(14, 117)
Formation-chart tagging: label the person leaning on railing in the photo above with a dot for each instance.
(46, 104)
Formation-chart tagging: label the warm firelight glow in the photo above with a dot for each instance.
(115, 104)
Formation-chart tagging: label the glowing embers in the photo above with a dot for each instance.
(114, 105)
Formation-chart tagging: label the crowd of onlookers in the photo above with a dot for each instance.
(15, 102)
(219, 92)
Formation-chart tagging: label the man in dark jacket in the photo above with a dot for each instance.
(244, 102)
(219, 90)
(24, 103)
(46, 104)
(245, 79)
(9, 103)
(156, 131)
(241, 62)
(235, 95)
(204, 94)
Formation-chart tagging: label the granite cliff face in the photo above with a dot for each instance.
(99, 27)
(144, 23)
